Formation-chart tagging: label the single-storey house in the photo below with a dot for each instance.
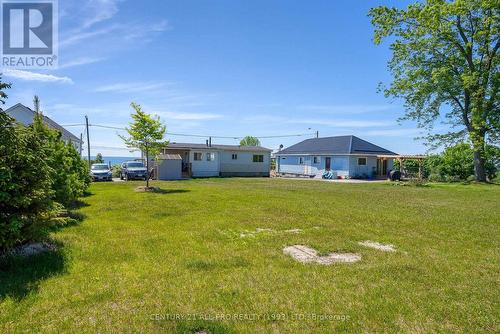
(25, 116)
(206, 160)
(344, 156)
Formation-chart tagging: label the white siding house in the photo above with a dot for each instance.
(345, 156)
(200, 160)
(25, 116)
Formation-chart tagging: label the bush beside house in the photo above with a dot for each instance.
(39, 175)
(455, 163)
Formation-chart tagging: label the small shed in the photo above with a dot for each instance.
(169, 167)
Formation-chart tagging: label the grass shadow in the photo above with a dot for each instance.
(21, 276)
(157, 190)
(77, 204)
(171, 191)
(194, 326)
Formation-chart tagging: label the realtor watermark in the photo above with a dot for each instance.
(29, 34)
(248, 317)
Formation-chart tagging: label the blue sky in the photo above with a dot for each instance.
(223, 68)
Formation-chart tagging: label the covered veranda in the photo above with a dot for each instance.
(401, 158)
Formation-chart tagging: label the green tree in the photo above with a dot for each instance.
(458, 162)
(99, 159)
(145, 133)
(3, 87)
(445, 66)
(70, 178)
(250, 141)
(69, 172)
(27, 209)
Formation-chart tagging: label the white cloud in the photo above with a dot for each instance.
(99, 10)
(31, 76)
(77, 37)
(80, 62)
(336, 123)
(188, 116)
(145, 30)
(343, 123)
(130, 87)
(124, 32)
(346, 109)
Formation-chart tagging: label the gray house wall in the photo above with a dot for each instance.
(223, 164)
(204, 168)
(21, 115)
(362, 171)
(289, 164)
(244, 164)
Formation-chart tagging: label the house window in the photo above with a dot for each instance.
(210, 156)
(316, 160)
(197, 156)
(258, 158)
(234, 156)
(361, 161)
(301, 160)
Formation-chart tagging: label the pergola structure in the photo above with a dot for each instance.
(402, 157)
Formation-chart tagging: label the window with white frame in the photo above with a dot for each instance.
(361, 161)
(234, 156)
(316, 160)
(301, 160)
(210, 156)
(197, 156)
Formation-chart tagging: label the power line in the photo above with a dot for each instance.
(70, 125)
(113, 148)
(199, 135)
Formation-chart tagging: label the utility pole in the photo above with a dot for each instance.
(81, 144)
(88, 139)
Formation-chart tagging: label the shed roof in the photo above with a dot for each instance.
(169, 157)
(190, 146)
(336, 145)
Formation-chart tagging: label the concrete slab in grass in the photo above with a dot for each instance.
(305, 254)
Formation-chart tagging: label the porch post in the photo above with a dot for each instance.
(420, 169)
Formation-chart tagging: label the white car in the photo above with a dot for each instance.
(101, 172)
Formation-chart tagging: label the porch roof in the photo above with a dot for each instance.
(402, 156)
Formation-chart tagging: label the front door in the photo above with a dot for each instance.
(328, 162)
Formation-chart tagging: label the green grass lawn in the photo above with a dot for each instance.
(175, 262)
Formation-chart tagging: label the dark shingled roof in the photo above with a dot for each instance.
(178, 146)
(336, 145)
